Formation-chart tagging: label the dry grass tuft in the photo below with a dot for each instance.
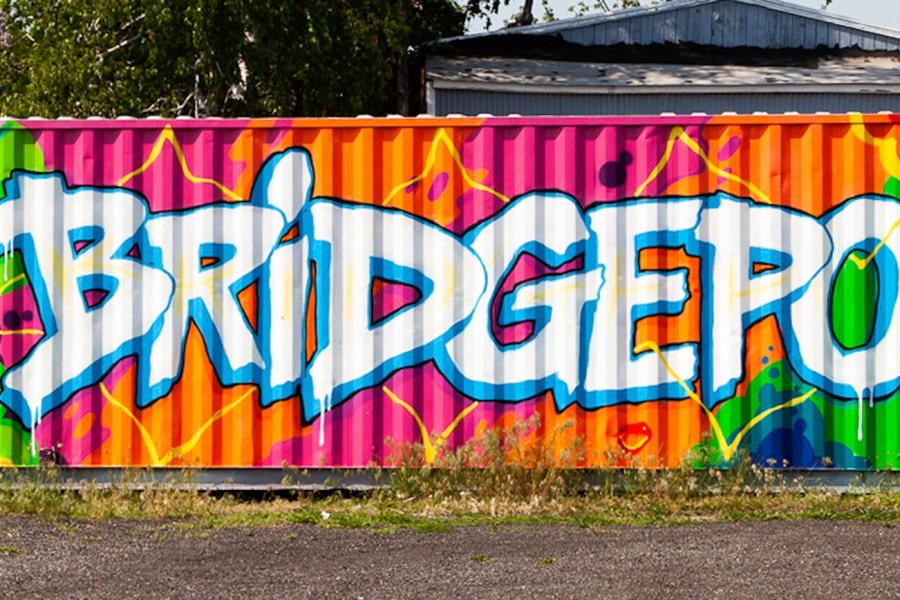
(504, 477)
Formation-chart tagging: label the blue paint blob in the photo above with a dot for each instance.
(774, 373)
(765, 360)
(782, 445)
(770, 396)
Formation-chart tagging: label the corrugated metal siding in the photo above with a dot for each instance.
(474, 102)
(418, 282)
(728, 25)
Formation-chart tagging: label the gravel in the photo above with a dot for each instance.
(158, 559)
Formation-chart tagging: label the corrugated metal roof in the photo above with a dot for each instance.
(510, 74)
(478, 101)
(725, 23)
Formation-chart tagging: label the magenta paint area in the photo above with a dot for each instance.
(173, 167)
(75, 430)
(593, 160)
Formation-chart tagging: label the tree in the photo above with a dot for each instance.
(525, 15)
(214, 57)
(486, 9)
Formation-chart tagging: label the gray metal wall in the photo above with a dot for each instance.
(474, 102)
(725, 24)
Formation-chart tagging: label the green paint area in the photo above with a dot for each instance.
(18, 150)
(12, 275)
(774, 385)
(880, 428)
(854, 301)
(15, 442)
(892, 187)
(819, 432)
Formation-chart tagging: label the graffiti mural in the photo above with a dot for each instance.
(268, 293)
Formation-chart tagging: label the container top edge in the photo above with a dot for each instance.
(455, 121)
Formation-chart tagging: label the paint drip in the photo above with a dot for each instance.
(7, 257)
(859, 415)
(872, 397)
(322, 421)
(35, 420)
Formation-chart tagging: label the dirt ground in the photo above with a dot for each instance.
(141, 559)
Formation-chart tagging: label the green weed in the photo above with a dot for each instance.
(523, 475)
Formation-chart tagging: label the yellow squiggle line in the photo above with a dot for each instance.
(443, 138)
(633, 447)
(430, 448)
(862, 263)
(189, 445)
(714, 422)
(755, 420)
(21, 332)
(145, 435)
(454, 423)
(887, 147)
(887, 153)
(177, 451)
(168, 135)
(678, 133)
(8, 284)
(728, 450)
(426, 439)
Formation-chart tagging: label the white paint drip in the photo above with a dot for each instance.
(321, 422)
(859, 416)
(35, 420)
(7, 257)
(322, 413)
(872, 397)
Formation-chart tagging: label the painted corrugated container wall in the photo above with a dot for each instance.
(329, 293)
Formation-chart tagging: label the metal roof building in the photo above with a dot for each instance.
(682, 56)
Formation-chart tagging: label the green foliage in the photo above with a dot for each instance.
(213, 57)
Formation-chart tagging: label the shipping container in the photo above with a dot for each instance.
(342, 292)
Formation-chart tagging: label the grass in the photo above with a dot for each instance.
(393, 509)
(502, 479)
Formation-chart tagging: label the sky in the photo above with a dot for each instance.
(884, 13)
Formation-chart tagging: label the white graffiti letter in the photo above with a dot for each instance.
(351, 246)
(550, 226)
(286, 183)
(95, 301)
(212, 252)
(615, 373)
(859, 224)
(736, 237)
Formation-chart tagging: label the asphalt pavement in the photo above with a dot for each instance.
(157, 559)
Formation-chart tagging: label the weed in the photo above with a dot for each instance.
(522, 475)
(523, 462)
(7, 550)
(481, 558)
